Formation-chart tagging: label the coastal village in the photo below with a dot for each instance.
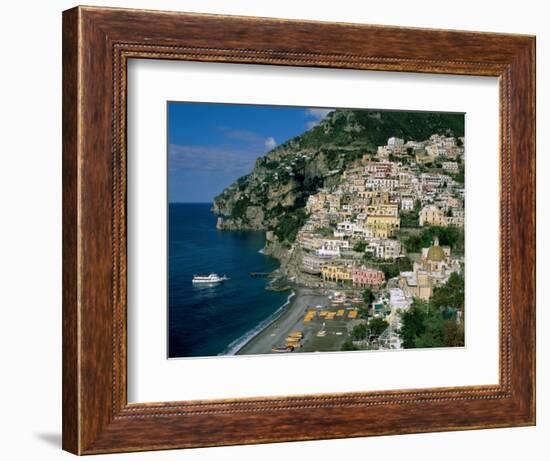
(365, 214)
(382, 241)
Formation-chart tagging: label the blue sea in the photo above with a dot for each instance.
(218, 319)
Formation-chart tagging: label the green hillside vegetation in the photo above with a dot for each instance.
(378, 126)
(289, 224)
(448, 236)
(410, 219)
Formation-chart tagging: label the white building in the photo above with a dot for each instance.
(434, 180)
(386, 184)
(312, 264)
(334, 243)
(450, 166)
(324, 252)
(415, 144)
(393, 142)
(385, 248)
(407, 204)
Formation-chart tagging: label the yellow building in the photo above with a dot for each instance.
(423, 158)
(431, 215)
(380, 198)
(336, 273)
(334, 201)
(416, 284)
(383, 226)
(384, 209)
(367, 158)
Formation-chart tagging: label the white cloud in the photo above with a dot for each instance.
(270, 143)
(317, 114)
(255, 141)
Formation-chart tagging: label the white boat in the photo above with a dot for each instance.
(212, 278)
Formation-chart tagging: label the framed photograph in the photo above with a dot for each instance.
(280, 230)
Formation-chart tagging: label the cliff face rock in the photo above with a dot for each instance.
(273, 195)
(276, 248)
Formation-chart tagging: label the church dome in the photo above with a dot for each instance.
(435, 253)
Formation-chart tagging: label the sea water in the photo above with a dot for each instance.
(215, 319)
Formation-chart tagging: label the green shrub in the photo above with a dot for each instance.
(360, 246)
(448, 236)
(348, 345)
(289, 224)
(435, 323)
(239, 208)
(377, 326)
(359, 332)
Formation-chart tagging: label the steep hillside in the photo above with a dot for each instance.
(273, 195)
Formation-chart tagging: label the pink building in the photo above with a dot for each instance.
(363, 277)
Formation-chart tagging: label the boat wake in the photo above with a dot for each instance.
(236, 345)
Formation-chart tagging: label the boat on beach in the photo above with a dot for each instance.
(209, 279)
(282, 349)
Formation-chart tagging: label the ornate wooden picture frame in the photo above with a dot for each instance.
(97, 44)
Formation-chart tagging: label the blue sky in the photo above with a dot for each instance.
(211, 145)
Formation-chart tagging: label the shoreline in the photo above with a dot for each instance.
(241, 342)
(290, 318)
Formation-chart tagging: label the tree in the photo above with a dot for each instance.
(363, 312)
(289, 224)
(441, 332)
(349, 346)
(451, 294)
(368, 296)
(454, 333)
(360, 246)
(448, 236)
(390, 271)
(377, 326)
(409, 219)
(434, 332)
(439, 322)
(459, 177)
(359, 332)
(240, 207)
(404, 264)
(413, 323)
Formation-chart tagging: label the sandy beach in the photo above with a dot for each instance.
(291, 319)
